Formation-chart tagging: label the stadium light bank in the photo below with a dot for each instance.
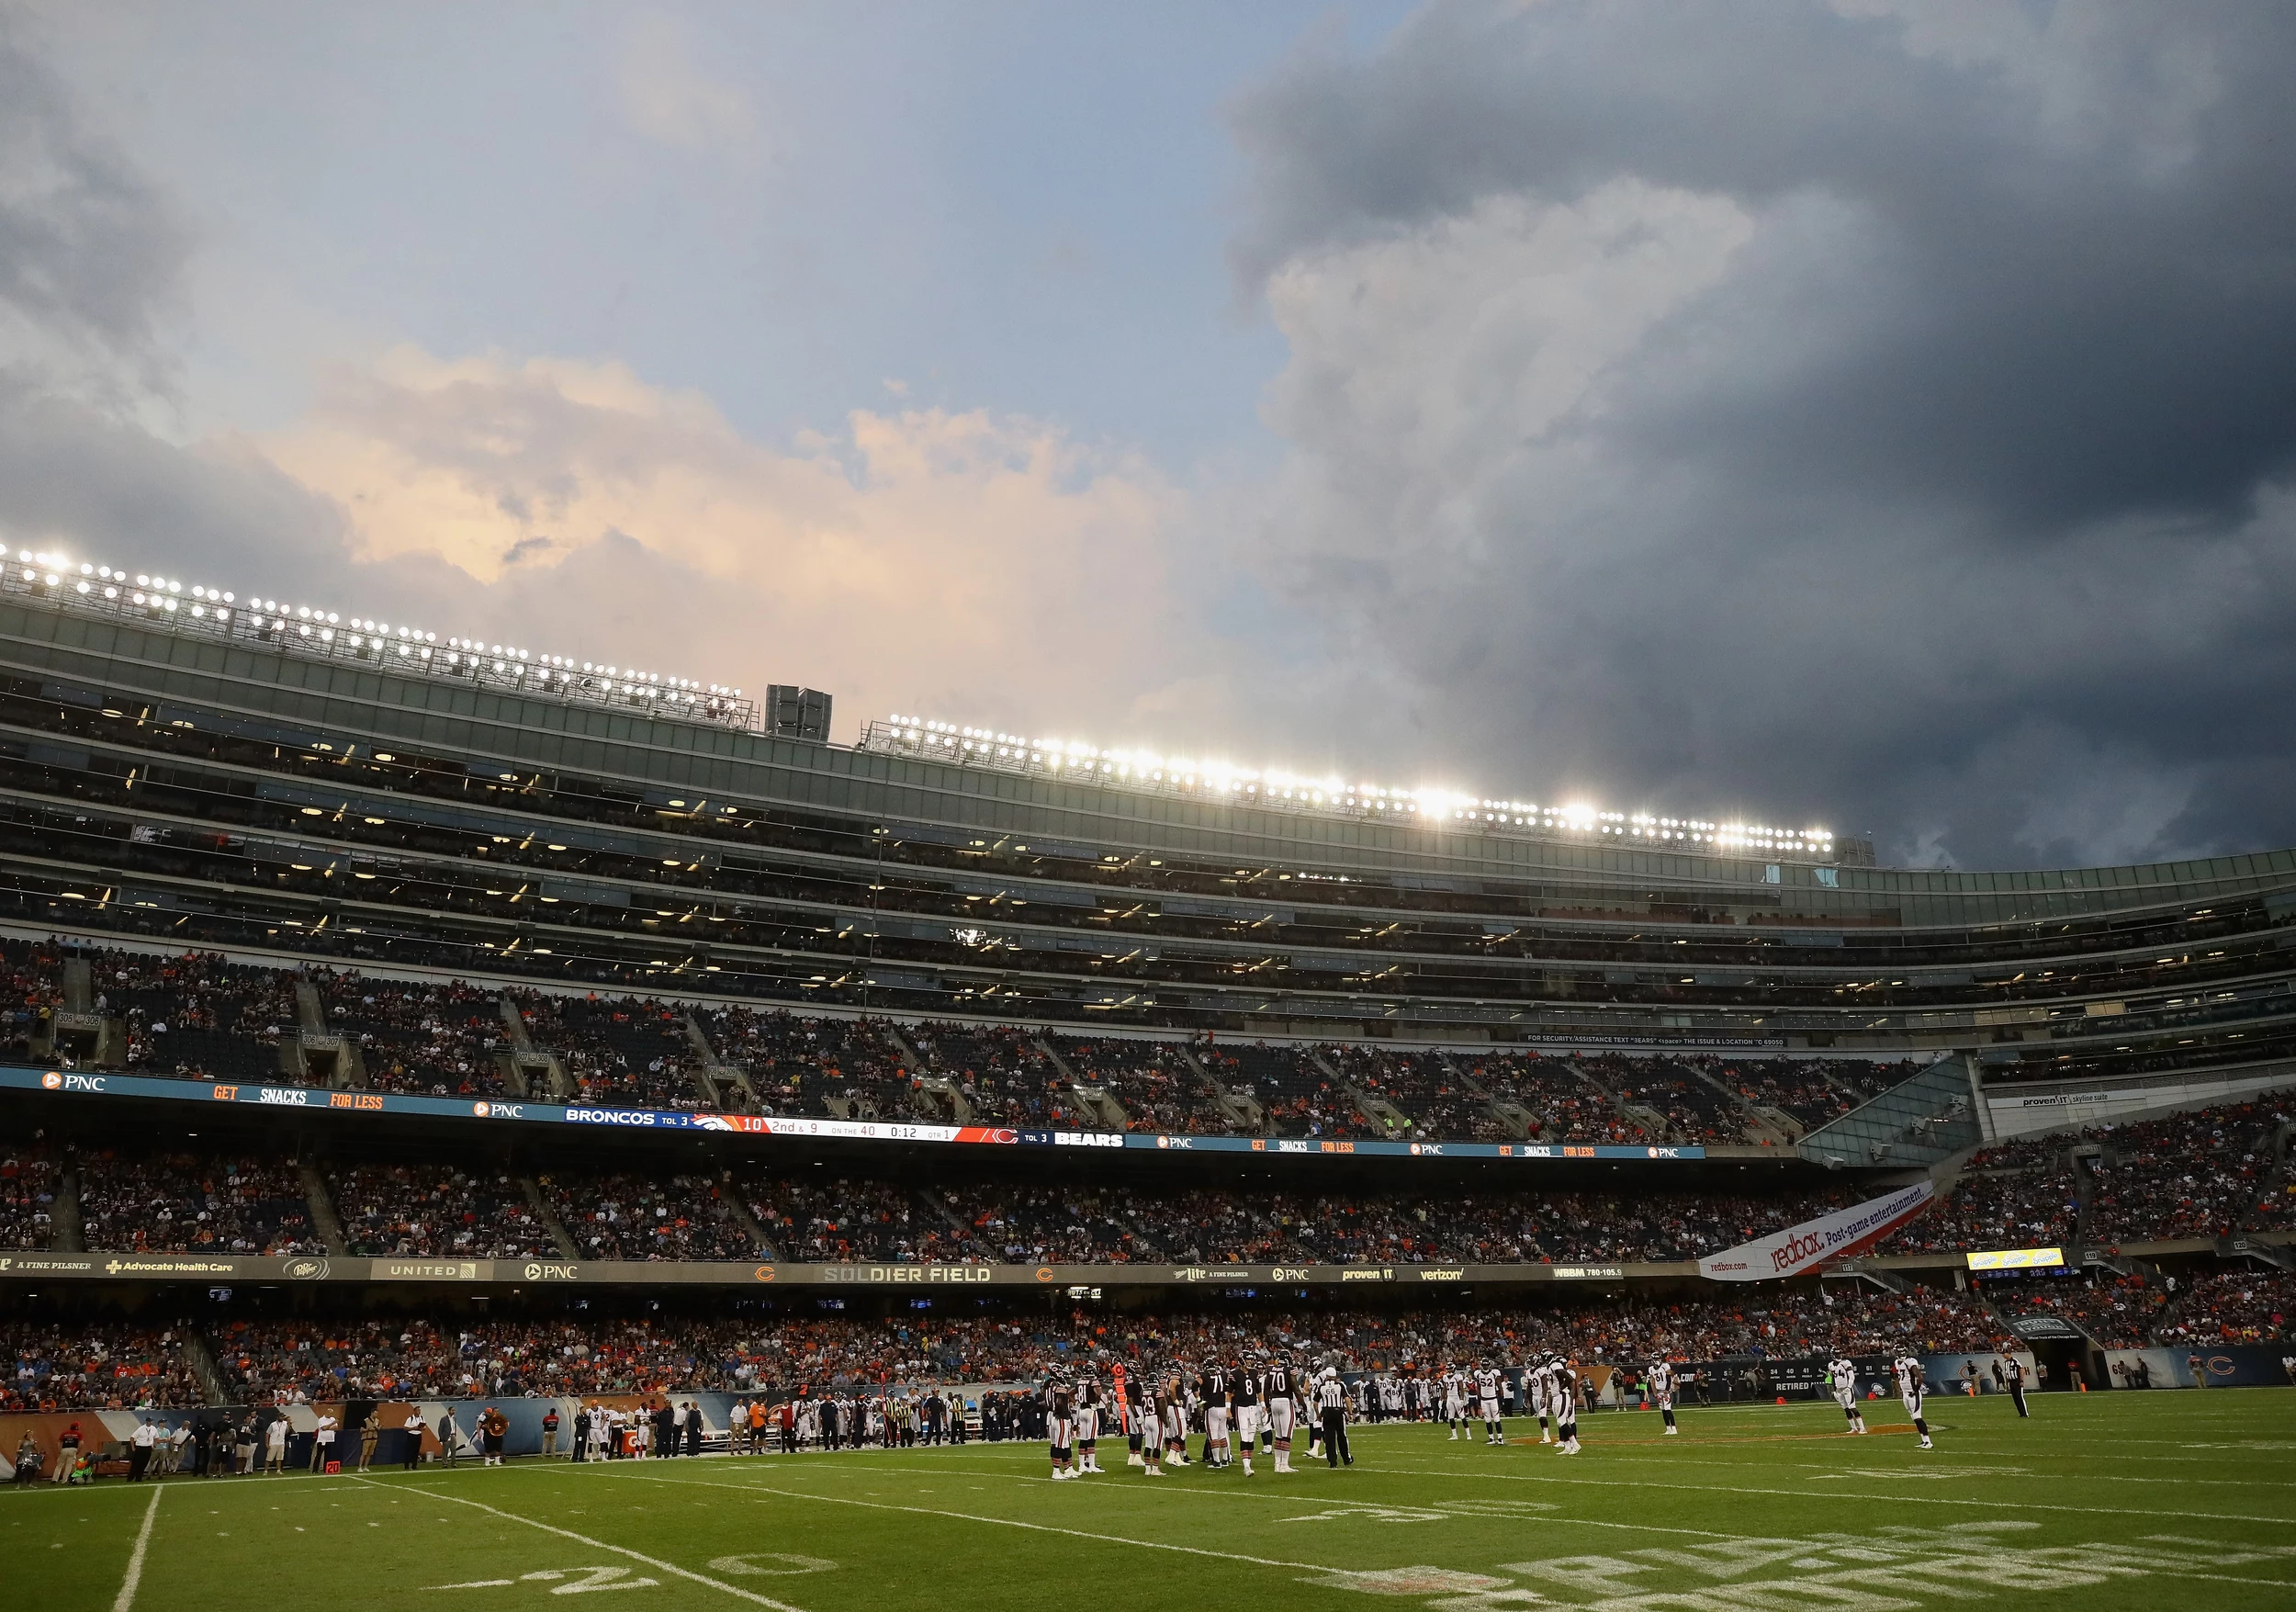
(1219, 783)
(198, 610)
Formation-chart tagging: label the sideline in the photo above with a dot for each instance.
(126, 1596)
(652, 1561)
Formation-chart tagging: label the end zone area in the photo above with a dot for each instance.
(2099, 1502)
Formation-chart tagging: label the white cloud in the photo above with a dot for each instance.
(982, 565)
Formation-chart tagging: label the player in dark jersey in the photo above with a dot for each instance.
(1243, 1401)
(1060, 1413)
(1276, 1386)
(1089, 1401)
(1135, 1403)
(1172, 1412)
(1214, 1390)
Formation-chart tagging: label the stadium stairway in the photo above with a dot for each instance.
(1095, 1105)
(525, 1068)
(324, 1218)
(201, 1359)
(1512, 1118)
(1246, 1114)
(1647, 1119)
(317, 1055)
(1765, 1126)
(539, 1201)
(738, 1210)
(1389, 1118)
(63, 1216)
(724, 1086)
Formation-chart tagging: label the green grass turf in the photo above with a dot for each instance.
(2103, 1501)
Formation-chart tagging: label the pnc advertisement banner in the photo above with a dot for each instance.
(521, 1110)
(1817, 1241)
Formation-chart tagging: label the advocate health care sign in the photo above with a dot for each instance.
(1814, 1242)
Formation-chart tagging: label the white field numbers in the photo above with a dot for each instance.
(582, 1581)
(563, 1580)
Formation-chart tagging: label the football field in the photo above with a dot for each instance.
(2103, 1501)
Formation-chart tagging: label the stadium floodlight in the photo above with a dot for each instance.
(1275, 789)
(308, 629)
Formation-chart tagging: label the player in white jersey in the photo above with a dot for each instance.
(1912, 1388)
(1539, 1383)
(1487, 1400)
(1455, 1398)
(1660, 1385)
(1843, 1376)
(1564, 1396)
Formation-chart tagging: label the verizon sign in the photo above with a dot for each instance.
(1838, 1235)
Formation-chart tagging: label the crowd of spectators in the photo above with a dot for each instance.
(2031, 1206)
(2232, 1307)
(27, 1199)
(438, 1210)
(1003, 1076)
(838, 1219)
(1563, 1104)
(615, 1049)
(78, 1365)
(1431, 1095)
(435, 1039)
(180, 1203)
(1158, 1089)
(2194, 1175)
(271, 1361)
(1692, 1110)
(2120, 1312)
(1294, 1093)
(637, 1217)
(805, 1065)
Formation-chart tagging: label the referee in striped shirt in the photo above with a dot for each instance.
(1330, 1398)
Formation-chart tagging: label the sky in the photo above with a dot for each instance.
(1837, 413)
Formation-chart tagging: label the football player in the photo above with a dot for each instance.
(1244, 1400)
(1659, 1384)
(1912, 1387)
(1565, 1397)
(1060, 1413)
(1214, 1387)
(1842, 1374)
(1276, 1386)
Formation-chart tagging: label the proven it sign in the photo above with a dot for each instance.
(1832, 1236)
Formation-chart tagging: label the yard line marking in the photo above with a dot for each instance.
(126, 1596)
(1006, 1522)
(1805, 1494)
(652, 1561)
(1182, 1492)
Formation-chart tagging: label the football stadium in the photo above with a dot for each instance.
(480, 1124)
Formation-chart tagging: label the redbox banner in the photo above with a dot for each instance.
(1817, 1241)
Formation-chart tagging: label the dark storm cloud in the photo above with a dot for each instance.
(89, 253)
(92, 256)
(1839, 408)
